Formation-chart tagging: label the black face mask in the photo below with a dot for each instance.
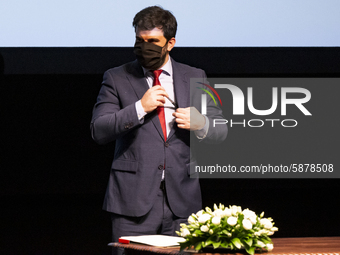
(149, 55)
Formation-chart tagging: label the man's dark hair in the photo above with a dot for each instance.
(155, 16)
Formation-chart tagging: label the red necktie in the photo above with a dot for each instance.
(160, 109)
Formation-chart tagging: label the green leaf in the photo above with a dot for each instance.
(237, 243)
(265, 239)
(225, 232)
(197, 232)
(208, 242)
(216, 244)
(245, 245)
(249, 241)
(198, 246)
(224, 245)
(251, 250)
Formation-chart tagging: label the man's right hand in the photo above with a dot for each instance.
(153, 98)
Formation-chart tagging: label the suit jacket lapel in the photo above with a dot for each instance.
(181, 90)
(137, 79)
(138, 82)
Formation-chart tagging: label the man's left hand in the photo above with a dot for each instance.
(183, 119)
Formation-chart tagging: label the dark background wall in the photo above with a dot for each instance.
(53, 176)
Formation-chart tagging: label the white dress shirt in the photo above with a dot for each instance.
(166, 80)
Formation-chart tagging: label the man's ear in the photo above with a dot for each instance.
(171, 43)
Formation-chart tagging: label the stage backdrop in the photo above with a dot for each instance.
(53, 176)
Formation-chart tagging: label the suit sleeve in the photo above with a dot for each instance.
(109, 119)
(216, 133)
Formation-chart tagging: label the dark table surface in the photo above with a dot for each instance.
(284, 246)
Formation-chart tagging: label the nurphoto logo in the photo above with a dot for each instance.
(238, 105)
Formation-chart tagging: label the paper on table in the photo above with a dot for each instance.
(155, 240)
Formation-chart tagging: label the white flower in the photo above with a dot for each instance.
(248, 213)
(216, 220)
(204, 228)
(185, 232)
(218, 212)
(204, 217)
(232, 221)
(236, 209)
(203, 223)
(265, 232)
(266, 223)
(227, 212)
(191, 219)
(270, 246)
(199, 213)
(247, 224)
(261, 243)
(253, 219)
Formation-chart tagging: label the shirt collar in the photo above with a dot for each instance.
(167, 69)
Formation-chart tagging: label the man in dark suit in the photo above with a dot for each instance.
(150, 190)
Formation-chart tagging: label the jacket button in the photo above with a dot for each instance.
(128, 125)
(160, 167)
(166, 144)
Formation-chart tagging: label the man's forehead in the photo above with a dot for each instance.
(156, 32)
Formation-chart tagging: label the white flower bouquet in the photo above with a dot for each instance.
(228, 227)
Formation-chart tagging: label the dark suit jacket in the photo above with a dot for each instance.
(141, 151)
